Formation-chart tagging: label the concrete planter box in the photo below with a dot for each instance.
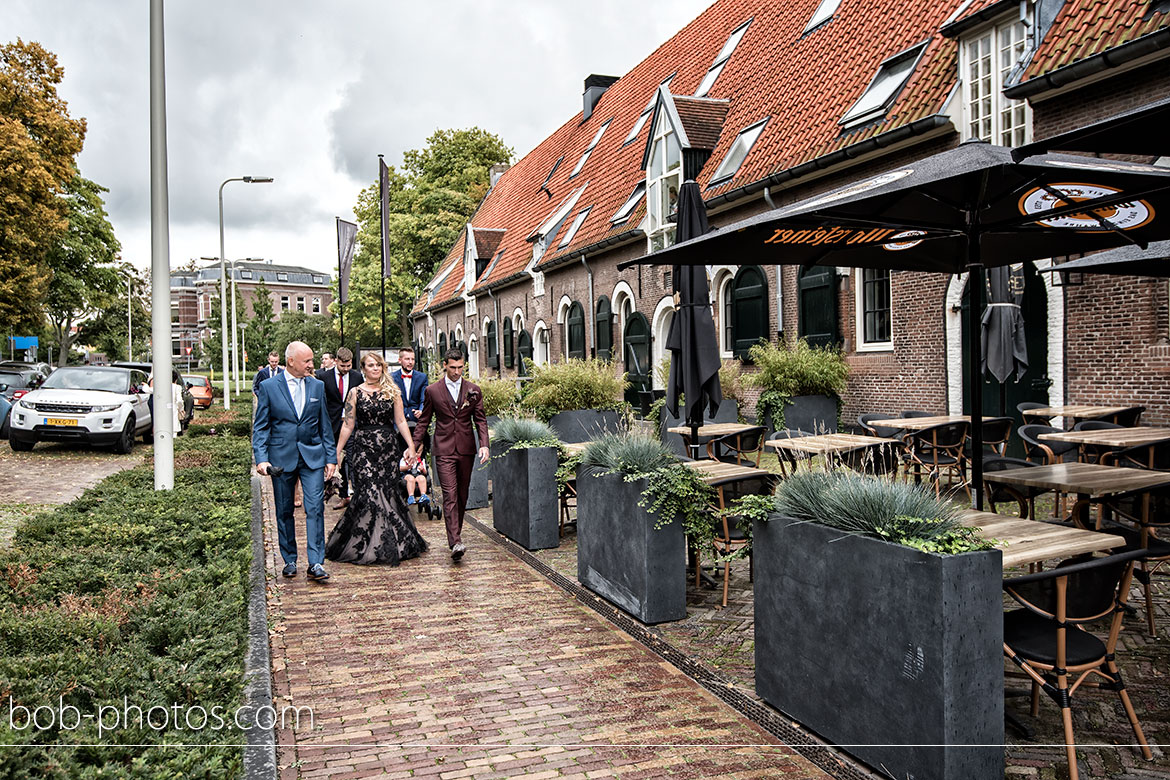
(479, 491)
(880, 648)
(812, 413)
(621, 556)
(524, 507)
(728, 412)
(580, 425)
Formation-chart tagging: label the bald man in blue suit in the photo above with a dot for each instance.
(292, 435)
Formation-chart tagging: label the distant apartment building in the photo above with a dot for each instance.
(290, 287)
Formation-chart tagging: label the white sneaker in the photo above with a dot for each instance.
(458, 550)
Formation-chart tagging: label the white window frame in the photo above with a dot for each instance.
(823, 14)
(631, 203)
(281, 277)
(646, 112)
(317, 279)
(245, 273)
(592, 145)
(316, 305)
(741, 146)
(285, 303)
(861, 345)
(721, 59)
(884, 87)
(985, 109)
(574, 227)
(722, 286)
(301, 305)
(660, 231)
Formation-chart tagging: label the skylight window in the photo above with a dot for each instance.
(823, 13)
(573, 228)
(628, 207)
(589, 150)
(557, 164)
(738, 152)
(890, 78)
(637, 128)
(721, 59)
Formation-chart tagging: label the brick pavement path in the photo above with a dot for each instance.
(483, 669)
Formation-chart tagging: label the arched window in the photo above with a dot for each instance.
(489, 339)
(524, 348)
(728, 342)
(749, 309)
(604, 338)
(575, 332)
(509, 355)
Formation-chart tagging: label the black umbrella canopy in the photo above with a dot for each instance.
(1005, 352)
(919, 217)
(694, 364)
(1139, 131)
(1124, 261)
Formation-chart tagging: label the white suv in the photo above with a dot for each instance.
(98, 405)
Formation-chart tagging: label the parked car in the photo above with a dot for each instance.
(200, 387)
(16, 382)
(96, 404)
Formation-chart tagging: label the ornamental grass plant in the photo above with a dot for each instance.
(512, 432)
(499, 396)
(573, 384)
(790, 370)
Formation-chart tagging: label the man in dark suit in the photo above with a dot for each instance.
(291, 433)
(339, 380)
(272, 369)
(454, 402)
(411, 384)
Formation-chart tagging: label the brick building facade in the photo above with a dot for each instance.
(767, 104)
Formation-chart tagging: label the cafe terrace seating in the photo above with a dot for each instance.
(936, 450)
(744, 447)
(1092, 453)
(1024, 406)
(998, 493)
(1047, 453)
(788, 460)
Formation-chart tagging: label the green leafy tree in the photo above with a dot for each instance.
(260, 335)
(106, 331)
(80, 262)
(38, 144)
(212, 345)
(431, 200)
(319, 331)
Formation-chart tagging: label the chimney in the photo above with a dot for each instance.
(595, 87)
(496, 171)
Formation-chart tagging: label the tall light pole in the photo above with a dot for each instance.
(223, 326)
(129, 321)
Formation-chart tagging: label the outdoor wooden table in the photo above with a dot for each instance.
(1074, 412)
(576, 447)
(1031, 541)
(918, 423)
(718, 473)
(1112, 437)
(828, 443)
(710, 431)
(1087, 480)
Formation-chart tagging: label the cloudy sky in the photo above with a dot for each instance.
(310, 92)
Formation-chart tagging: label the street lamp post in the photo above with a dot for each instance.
(223, 326)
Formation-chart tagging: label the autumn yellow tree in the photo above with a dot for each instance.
(38, 144)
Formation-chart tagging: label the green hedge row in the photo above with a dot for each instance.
(130, 597)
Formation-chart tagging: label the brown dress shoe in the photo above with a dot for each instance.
(342, 504)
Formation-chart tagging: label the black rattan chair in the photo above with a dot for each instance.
(875, 459)
(1048, 641)
(939, 448)
(999, 493)
(1024, 406)
(787, 458)
(917, 413)
(1092, 453)
(1155, 457)
(737, 447)
(863, 421)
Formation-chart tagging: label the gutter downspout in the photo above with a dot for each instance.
(591, 315)
(779, 278)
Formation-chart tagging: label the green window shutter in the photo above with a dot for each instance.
(818, 306)
(604, 337)
(509, 358)
(524, 347)
(575, 328)
(749, 309)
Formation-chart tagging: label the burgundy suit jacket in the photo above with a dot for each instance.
(453, 431)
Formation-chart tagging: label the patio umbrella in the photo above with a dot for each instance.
(1125, 261)
(960, 210)
(1005, 352)
(694, 362)
(1139, 131)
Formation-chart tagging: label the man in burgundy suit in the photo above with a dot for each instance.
(455, 403)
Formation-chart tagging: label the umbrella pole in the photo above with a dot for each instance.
(694, 440)
(975, 284)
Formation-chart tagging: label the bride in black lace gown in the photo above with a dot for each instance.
(376, 527)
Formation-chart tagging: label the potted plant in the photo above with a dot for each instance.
(580, 399)
(636, 504)
(800, 385)
(524, 470)
(499, 396)
(879, 624)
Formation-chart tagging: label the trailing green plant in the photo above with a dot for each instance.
(672, 489)
(521, 432)
(733, 383)
(499, 396)
(573, 384)
(566, 468)
(786, 371)
(859, 505)
(744, 511)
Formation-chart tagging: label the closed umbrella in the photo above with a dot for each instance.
(694, 360)
(1005, 351)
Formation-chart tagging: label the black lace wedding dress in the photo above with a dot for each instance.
(376, 527)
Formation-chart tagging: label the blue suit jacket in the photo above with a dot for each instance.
(279, 436)
(418, 386)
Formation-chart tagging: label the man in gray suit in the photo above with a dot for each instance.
(292, 439)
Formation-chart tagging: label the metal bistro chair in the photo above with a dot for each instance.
(1047, 640)
(738, 447)
(1155, 457)
(1024, 406)
(937, 449)
(730, 533)
(876, 459)
(999, 493)
(1047, 452)
(1092, 453)
(916, 413)
(787, 458)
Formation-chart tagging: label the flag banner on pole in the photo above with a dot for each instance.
(384, 187)
(346, 236)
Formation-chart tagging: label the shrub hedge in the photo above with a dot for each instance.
(131, 596)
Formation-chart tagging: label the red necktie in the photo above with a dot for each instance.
(341, 384)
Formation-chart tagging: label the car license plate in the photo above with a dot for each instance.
(60, 421)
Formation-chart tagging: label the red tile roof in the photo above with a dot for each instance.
(702, 119)
(486, 241)
(804, 83)
(1084, 28)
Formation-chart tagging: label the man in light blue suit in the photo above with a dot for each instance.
(292, 439)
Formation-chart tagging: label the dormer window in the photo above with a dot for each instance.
(589, 150)
(628, 207)
(543, 235)
(557, 164)
(823, 14)
(738, 152)
(318, 279)
(281, 277)
(721, 59)
(663, 181)
(245, 273)
(884, 88)
(573, 228)
(646, 112)
(986, 60)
